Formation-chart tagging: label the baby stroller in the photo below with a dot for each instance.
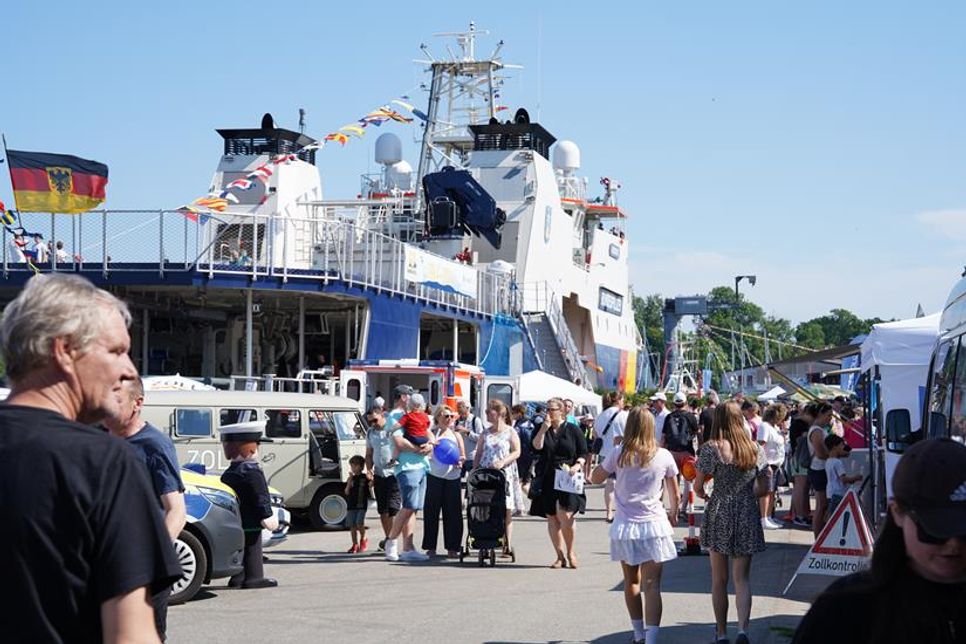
(486, 492)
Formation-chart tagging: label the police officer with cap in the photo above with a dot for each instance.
(244, 476)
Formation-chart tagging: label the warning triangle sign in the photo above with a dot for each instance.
(846, 532)
(844, 545)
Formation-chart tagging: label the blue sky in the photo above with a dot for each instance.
(818, 145)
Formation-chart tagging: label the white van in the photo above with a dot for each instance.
(312, 437)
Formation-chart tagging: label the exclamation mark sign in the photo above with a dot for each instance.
(846, 516)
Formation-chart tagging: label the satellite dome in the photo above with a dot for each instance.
(500, 267)
(566, 156)
(388, 149)
(400, 175)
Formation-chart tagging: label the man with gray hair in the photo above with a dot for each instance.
(82, 543)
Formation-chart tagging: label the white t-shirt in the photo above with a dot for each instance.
(639, 491)
(616, 428)
(659, 422)
(834, 470)
(774, 443)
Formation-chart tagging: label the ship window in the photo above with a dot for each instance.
(614, 251)
(192, 422)
(283, 423)
(610, 302)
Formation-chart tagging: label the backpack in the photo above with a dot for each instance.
(677, 434)
(802, 455)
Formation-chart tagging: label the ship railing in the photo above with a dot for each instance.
(285, 245)
(305, 382)
(572, 187)
(105, 241)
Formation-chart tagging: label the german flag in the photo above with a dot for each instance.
(56, 182)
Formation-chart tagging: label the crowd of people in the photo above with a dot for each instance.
(89, 547)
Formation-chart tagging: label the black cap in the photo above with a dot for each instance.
(402, 390)
(930, 480)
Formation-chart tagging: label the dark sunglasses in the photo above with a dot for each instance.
(928, 537)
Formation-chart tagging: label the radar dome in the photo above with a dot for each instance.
(566, 156)
(388, 149)
(400, 175)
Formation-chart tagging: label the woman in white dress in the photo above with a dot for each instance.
(642, 536)
(499, 448)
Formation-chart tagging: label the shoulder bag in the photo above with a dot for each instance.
(597, 444)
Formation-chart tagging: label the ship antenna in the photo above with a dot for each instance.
(301, 120)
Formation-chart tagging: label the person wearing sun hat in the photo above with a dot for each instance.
(915, 588)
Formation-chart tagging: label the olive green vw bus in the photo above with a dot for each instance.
(312, 437)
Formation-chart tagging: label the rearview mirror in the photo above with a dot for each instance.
(898, 427)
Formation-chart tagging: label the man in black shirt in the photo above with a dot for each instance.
(82, 545)
(706, 419)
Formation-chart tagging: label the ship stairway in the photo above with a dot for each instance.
(555, 348)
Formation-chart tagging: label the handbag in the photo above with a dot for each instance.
(763, 482)
(536, 487)
(597, 444)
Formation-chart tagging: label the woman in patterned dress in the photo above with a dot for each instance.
(732, 520)
(499, 448)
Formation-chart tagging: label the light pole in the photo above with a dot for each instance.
(752, 279)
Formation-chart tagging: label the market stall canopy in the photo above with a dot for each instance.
(772, 393)
(905, 342)
(537, 386)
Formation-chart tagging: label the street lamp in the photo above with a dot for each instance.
(752, 279)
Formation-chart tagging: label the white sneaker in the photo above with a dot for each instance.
(413, 555)
(777, 524)
(768, 525)
(392, 550)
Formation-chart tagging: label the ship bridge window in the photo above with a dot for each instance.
(614, 251)
(251, 197)
(610, 302)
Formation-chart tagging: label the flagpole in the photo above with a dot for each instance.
(6, 157)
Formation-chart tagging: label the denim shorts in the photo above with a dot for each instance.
(412, 487)
(355, 518)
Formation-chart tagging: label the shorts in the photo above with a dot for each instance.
(818, 480)
(355, 518)
(774, 477)
(412, 487)
(679, 459)
(833, 503)
(794, 469)
(388, 500)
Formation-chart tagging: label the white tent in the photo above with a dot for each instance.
(772, 393)
(539, 386)
(177, 382)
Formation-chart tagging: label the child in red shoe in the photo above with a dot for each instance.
(357, 501)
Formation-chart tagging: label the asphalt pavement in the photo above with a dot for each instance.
(326, 595)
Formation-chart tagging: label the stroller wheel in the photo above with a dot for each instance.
(493, 558)
(482, 558)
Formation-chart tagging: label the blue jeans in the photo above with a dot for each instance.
(412, 487)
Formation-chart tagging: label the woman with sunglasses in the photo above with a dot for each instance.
(915, 588)
(443, 489)
(561, 446)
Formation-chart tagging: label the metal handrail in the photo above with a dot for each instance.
(575, 366)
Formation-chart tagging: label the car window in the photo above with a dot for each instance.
(192, 422)
(232, 416)
(345, 424)
(283, 423)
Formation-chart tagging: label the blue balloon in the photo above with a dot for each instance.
(446, 452)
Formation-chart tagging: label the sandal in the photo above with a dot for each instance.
(573, 560)
(559, 563)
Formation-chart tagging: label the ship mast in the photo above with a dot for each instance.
(463, 91)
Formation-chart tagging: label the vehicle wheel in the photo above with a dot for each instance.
(194, 566)
(328, 508)
(493, 558)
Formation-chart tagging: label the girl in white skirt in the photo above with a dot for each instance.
(641, 537)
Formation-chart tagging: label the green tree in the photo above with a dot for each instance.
(837, 328)
(811, 334)
(648, 315)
